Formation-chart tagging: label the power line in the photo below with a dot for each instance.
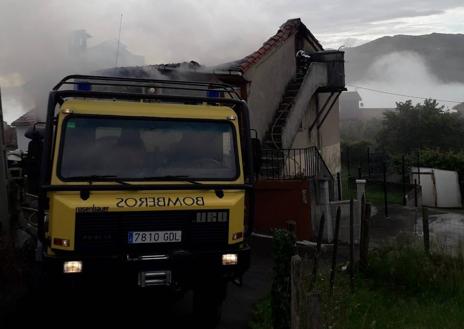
(403, 95)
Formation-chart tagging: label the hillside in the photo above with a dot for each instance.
(442, 53)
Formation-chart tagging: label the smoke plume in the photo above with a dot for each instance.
(405, 73)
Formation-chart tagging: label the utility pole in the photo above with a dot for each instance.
(119, 41)
(4, 214)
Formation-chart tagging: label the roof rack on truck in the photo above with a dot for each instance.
(119, 87)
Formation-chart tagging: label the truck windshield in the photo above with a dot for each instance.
(147, 148)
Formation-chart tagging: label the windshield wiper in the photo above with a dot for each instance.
(103, 178)
(175, 177)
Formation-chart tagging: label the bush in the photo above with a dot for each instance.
(262, 317)
(283, 249)
(355, 153)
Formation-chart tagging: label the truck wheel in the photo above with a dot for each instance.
(207, 304)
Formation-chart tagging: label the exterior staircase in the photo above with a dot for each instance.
(273, 137)
(280, 163)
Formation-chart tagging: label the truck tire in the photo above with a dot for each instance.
(207, 304)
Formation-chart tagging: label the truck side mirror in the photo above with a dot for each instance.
(256, 150)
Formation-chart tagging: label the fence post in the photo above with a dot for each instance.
(318, 250)
(339, 187)
(360, 193)
(403, 178)
(334, 252)
(364, 243)
(349, 160)
(418, 167)
(314, 301)
(351, 245)
(368, 163)
(296, 275)
(415, 193)
(385, 189)
(425, 228)
(283, 249)
(359, 172)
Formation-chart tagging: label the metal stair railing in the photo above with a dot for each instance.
(293, 163)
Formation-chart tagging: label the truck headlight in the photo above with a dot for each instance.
(72, 267)
(229, 259)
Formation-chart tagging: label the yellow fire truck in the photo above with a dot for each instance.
(149, 179)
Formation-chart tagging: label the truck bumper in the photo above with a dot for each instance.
(179, 269)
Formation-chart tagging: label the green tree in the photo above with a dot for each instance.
(411, 127)
(353, 131)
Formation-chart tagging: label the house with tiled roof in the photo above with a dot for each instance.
(292, 105)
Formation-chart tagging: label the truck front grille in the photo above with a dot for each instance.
(107, 232)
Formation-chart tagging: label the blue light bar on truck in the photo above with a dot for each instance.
(83, 86)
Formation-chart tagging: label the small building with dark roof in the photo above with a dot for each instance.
(351, 108)
(21, 125)
(9, 133)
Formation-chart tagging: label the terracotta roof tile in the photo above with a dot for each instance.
(288, 29)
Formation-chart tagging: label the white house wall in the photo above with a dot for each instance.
(315, 77)
(302, 138)
(269, 80)
(329, 138)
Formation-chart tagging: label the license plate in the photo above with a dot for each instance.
(154, 236)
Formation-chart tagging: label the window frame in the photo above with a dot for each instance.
(238, 163)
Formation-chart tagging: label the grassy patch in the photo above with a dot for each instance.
(402, 289)
(262, 315)
(374, 191)
(376, 306)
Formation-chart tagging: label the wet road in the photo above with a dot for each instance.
(112, 307)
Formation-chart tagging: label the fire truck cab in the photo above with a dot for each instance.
(148, 180)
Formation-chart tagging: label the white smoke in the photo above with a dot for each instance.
(37, 52)
(405, 73)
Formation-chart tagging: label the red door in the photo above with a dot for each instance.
(281, 201)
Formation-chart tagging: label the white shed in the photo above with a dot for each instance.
(440, 188)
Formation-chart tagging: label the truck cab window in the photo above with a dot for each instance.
(148, 148)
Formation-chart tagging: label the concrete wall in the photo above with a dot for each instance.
(269, 79)
(329, 138)
(303, 138)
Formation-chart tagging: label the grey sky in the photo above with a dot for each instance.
(213, 31)
(34, 34)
